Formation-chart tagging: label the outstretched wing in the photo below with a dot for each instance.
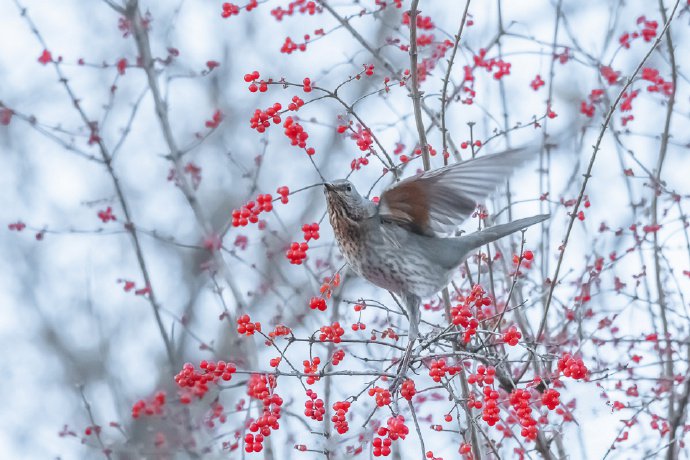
(438, 201)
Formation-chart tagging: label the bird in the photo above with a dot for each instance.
(405, 243)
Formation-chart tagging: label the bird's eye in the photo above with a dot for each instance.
(348, 188)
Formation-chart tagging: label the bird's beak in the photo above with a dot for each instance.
(329, 186)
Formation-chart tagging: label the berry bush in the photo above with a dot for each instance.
(171, 284)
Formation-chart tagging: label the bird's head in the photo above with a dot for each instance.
(344, 201)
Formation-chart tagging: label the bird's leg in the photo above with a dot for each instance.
(413, 313)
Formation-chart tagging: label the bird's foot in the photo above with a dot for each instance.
(402, 368)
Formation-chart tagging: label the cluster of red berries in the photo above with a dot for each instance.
(478, 299)
(274, 362)
(659, 84)
(537, 83)
(550, 398)
(390, 334)
(318, 303)
(427, 64)
(106, 215)
(438, 369)
(261, 387)
(338, 356)
(527, 256)
(297, 253)
(490, 405)
(153, 407)
(131, 285)
(332, 333)
(484, 376)
(253, 443)
(306, 85)
(395, 429)
(252, 78)
(382, 396)
(520, 399)
(357, 163)
(313, 407)
(246, 327)
(363, 138)
(662, 427)
(262, 118)
(418, 152)
(359, 326)
(46, 57)
(289, 46)
(296, 103)
(250, 212)
(465, 450)
(297, 135)
(572, 367)
(473, 402)
(462, 315)
(311, 368)
(17, 226)
(468, 86)
(340, 409)
(423, 22)
(595, 96)
(465, 144)
(311, 231)
(407, 389)
(214, 122)
(262, 426)
(197, 381)
(611, 76)
(283, 191)
(302, 6)
(280, 330)
(229, 10)
(512, 336)
(648, 32)
(651, 228)
(328, 284)
(503, 67)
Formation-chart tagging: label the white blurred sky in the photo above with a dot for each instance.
(69, 279)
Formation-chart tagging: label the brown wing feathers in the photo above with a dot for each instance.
(439, 200)
(407, 205)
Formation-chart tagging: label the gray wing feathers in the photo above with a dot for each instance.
(452, 193)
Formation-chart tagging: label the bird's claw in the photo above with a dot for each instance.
(402, 368)
(399, 378)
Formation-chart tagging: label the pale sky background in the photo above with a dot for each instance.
(64, 318)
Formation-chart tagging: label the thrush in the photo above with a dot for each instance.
(400, 244)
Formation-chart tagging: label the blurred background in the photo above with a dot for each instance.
(78, 323)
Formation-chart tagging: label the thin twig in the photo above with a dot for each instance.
(446, 79)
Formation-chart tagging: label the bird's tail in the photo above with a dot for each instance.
(478, 239)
